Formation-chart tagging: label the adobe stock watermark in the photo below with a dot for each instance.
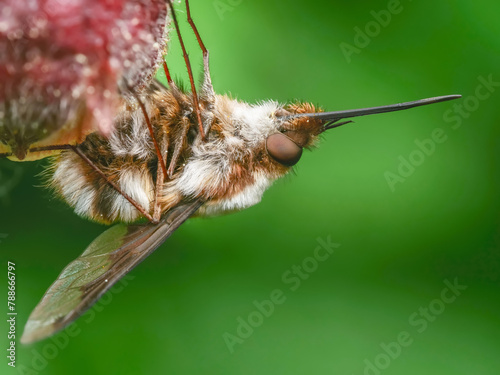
(425, 148)
(223, 6)
(292, 278)
(55, 344)
(364, 36)
(419, 322)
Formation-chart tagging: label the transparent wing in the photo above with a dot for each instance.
(107, 259)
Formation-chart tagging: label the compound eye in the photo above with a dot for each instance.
(283, 149)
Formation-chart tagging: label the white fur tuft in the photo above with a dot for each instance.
(136, 143)
(251, 195)
(254, 123)
(70, 180)
(136, 185)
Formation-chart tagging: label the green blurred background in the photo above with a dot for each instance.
(396, 250)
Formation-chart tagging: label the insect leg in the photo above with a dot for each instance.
(160, 179)
(207, 91)
(116, 187)
(50, 148)
(40, 149)
(156, 206)
(190, 72)
(95, 168)
(101, 173)
(195, 30)
(151, 132)
(207, 79)
(170, 81)
(179, 145)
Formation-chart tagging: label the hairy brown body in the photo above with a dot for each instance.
(219, 169)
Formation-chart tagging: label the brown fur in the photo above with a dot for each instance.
(176, 129)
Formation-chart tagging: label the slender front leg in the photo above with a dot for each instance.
(84, 157)
(115, 186)
(207, 93)
(160, 179)
(179, 145)
(207, 83)
(151, 131)
(170, 81)
(190, 73)
(39, 149)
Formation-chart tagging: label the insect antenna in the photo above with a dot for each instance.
(335, 124)
(190, 72)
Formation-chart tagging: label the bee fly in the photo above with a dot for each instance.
(209, 154)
